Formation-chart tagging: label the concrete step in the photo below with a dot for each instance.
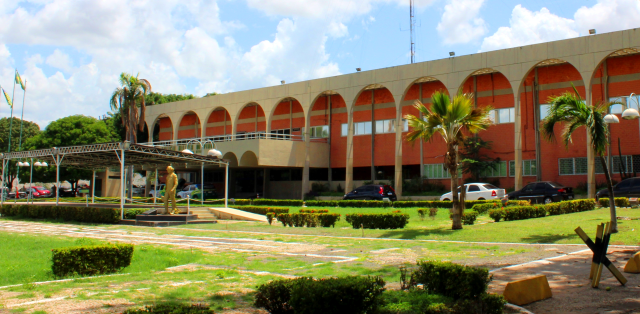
(234, 214)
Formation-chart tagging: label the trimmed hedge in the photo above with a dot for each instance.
(266, 201)
(439, 204)
(236, 202)
(618, 201)
(378, 221)
(263, 210)
(307, 219)
(314, 203)
(452, 280)
(468, 217)
(91, 260)
(364, 204)
(131, 213)
(314, 211)
(66, 213)
(170, 308)
(568, 207)
(349, 294)
(484, 208)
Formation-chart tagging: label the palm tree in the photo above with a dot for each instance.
(569, 109)
(450, 118)
(127, 99)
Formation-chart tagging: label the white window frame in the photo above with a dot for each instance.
(323, 129)
(438, 175)
(495, 173)
(529, 162)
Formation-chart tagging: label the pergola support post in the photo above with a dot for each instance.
(30, 196)
(4, 163)
(226, 184)
(93, 187)
(202, 183)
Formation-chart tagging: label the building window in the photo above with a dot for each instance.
(359, 128)
(321, 131)
(500, 170)
(436, 171)
(345, 129)
(528, 168)
(505, 115)
(626, 103)
(544, 111)
(385, 126)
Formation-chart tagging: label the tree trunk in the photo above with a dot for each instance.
(612, 204)
(452, 166)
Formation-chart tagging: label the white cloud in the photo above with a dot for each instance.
(460, 21)
(527, 27)
(60, 60)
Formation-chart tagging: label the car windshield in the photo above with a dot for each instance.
(39, 188)
(556, 185)
(490, 187)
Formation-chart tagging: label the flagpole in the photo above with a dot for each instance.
(20, 141)
(11, 119)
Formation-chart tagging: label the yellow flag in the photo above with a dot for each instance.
(19, 80)
(6, 96)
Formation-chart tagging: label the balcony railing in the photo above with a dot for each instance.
(203, 145)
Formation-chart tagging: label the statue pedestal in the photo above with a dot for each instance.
(177, 217)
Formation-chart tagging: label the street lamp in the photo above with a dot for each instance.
(631, 113)
(611, 118)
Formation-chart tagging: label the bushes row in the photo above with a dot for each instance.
(172, 308)
(266, 201)
(305, 219)
(526, 212)
(618, 201)
(91, 260)
(264, 210)
(384, 204)
(484, 208)
(314, 211)
(66, 213)
(440, 204)
(468, 217)
(378, 221)
(350, 294)
(575, 206)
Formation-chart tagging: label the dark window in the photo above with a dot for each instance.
(490, 187)
(541, 186)
(318, 174)
(529, 187)
(623, 185)
(296, 174)
(369, 188)
(556, 185)
(474, 188)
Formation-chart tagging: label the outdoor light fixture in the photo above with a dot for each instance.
(282, 82)
(186, 151)
(20, 164)
(631, 113)
(37, 164)
(358, 69)
(44, 164)
(26, 164)
(611, 118)
(592, 31)
(452, 53)
(215, 153)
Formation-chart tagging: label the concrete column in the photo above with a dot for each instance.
(348, 185)
(305, 170)
(591, 166)
(398, 155)
(517, 128)
(265, 183)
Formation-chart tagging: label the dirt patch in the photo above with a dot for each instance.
(568, 277)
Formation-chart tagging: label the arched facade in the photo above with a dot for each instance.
(516, 82)
(189, 126)
(248, 159)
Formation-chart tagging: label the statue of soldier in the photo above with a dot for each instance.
(170, 191)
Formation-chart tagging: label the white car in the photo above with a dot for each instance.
(187, 190)
(478, 191)
(158, 191)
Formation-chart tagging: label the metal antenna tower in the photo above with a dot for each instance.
(412, 26)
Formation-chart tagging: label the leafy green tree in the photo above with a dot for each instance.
(450, 118)
(475, 161)
(158, 98)
(71, 131)
(29, 130)
(573, 113)
(129, 101)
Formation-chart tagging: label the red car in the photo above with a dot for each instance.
(39, 191)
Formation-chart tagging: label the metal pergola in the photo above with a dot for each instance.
(110, 155)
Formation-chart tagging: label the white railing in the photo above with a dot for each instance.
(203, 145)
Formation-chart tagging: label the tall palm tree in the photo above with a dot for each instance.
(450, 118)
(570, 110)
(127, 99)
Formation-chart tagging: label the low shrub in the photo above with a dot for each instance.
(378, 221)
(364, 204)
(618, 201)
(422, 212)
(172, 308)
(314, 203)
(314, 211)
(412, 301)
(131, 213)
(349, 294)
(568, 207)
(91, 260)
(66, 213)
(264, 210)
(452, 280)
(468, 217)
(484, 208)
(265, 201)
(231, 201)
(486, 303)
(496, 214)
(270, 217)
(439, 204)
(523, 212)
(308, 219)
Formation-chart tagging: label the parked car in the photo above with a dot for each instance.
(138, 190)
(187, 190)
(478, 191)
(209, 192)
(372, 192)
(158, 189)
(38, 192)
(65, 192)
(543, 192)
(626, 188)
(21, 194)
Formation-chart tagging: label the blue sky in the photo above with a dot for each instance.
(72, 51)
